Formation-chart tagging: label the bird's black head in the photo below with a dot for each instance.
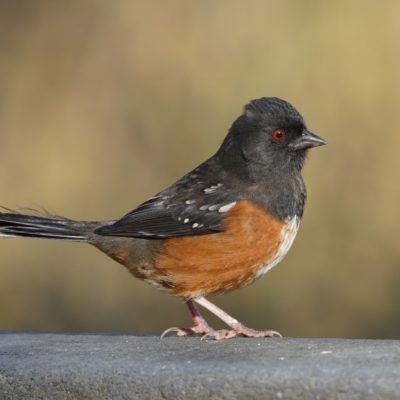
(269, 135)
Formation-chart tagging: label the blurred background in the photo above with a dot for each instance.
(102, 104)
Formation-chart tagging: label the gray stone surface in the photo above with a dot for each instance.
(84, 366)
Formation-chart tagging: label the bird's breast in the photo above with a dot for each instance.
(253, 242)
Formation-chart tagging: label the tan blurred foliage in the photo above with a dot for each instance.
(104, 103)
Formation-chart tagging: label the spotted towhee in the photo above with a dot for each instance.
(217, 229)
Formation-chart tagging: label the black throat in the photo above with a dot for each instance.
(281, 191)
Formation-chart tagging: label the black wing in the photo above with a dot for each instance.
(194, 205)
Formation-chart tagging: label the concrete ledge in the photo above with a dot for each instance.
(66, 366)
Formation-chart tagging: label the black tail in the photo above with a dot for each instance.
(14, 224)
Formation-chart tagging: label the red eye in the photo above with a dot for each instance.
(278, 135)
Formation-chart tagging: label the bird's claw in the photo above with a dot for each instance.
(177, 331)
(193, 331)
(220, 334)
(241, 331)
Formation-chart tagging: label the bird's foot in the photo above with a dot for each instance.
(199, 329)
(220, 334)
(239, 330)
(236, 328)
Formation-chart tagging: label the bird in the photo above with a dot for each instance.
(217, 229)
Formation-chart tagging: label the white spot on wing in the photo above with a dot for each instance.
(145, 233)
(212, 188)
(195, 225)
(190, 201)
(186, 220)
(226, 207)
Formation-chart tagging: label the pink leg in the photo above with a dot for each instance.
(200, 324)
(237, 329)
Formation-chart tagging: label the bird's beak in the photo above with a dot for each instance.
(306, 141)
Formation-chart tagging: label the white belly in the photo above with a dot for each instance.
(287, 237)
